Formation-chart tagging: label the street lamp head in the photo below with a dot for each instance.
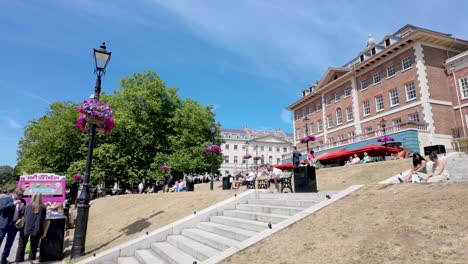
(382, 122)
(213, 128)
(101, 58)
(305, 119)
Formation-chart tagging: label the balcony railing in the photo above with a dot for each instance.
(457, 132)
(366, 135)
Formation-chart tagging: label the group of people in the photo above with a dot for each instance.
(26, 219)
(272, 174)
(418, 171)
(353, 160)
(310, 160)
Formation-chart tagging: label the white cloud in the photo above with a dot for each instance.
(286, 116)
(13, 124)
(35, 96)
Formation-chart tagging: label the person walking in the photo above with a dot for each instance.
(296, 157)
(140, 187)
(11, 207)
(34, 217)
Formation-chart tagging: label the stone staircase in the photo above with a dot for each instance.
(208, 238)
(457, 167)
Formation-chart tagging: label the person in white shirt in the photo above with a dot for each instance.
(275, 175)
(250, 177)
(140, 187)
(356, 159)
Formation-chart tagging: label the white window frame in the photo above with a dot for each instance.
(311, 109)
(319, 125)
(337, 97)
(406, 64)
(312, 128)
(351, 134)
(394, 71)
(464, 87)
(349, 113)
(380, 78)
(235, 161)
(396, 121)
(407, 85)
(364, 85)
(379, 104)
(318, 107)
(329, 121)
(346, 94)
(392, 104)
(366, 109)
(339, 117)
(327, 100)
(412, 115)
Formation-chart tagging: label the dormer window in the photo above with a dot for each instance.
(361, 58)
(387, 42)
(373, 51)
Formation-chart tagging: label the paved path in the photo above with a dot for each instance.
(14, 248)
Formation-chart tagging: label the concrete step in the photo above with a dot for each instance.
(294, 196)
(262, 217)
(192, 247)
(292, 203)
(226, 231)
(148, 256)
(209, 239)
(171, 254)
(270, 209)
(127, 260)
(239, 223)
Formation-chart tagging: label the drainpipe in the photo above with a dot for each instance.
(458, 99)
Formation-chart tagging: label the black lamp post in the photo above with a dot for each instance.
(382, 125)
(307, 132)
(213, 132)
(101, 59)
(246, 153)
(256, 157)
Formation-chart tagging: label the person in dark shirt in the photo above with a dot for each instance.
(296, 157)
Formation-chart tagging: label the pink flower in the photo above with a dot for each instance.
(78, 177)
(165, 167)
(212, 149)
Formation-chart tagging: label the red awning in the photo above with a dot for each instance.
(333, 155)
(284, 166)
(373, 150)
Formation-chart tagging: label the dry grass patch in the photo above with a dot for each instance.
(401, 223)
(340, 178)
(114, 220)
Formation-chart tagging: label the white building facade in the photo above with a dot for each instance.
(267, 145)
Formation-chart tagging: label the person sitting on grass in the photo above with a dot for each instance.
(182, 186)
(402, 152)
(418, 168)
(439, 171)
(355, 160)
(366, 158)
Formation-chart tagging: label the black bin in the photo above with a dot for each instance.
(226, 183)
(439, 149)
(52, 245)
(190, 186)
(305, 179)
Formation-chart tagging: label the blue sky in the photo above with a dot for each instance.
(248, 58)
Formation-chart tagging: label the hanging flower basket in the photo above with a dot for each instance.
(257, 158)
(165, 167)
(247, 156)
(213, 149)
(307, 139)
(385, 139)
(78, 177)
(95, 112)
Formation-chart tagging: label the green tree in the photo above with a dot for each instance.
(51, 143)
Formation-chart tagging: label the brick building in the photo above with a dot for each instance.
(404, 80)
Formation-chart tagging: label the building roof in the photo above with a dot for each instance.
(246, 133)
(369, 57)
